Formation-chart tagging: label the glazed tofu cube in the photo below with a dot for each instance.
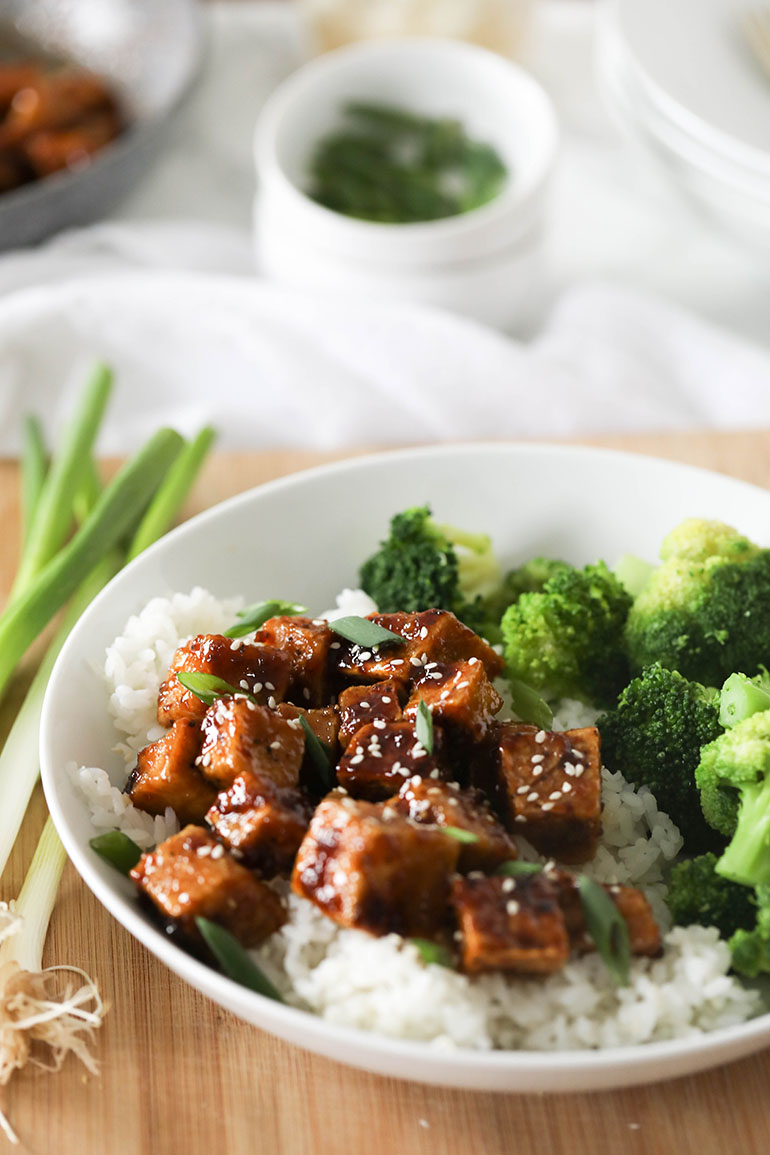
(241, 737)
(261, 823)
(259, 670)
(550, 789)
(510, 924)
(426, 800)
(643, 930)
(306, 643)
(359, 705)
(383, 755)
(430, 636)
(375, 871)
(191, 875)
(166, 774)
(459, 695)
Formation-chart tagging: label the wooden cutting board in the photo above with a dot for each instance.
(179, 1076)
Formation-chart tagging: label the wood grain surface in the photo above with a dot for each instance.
(179, 1076)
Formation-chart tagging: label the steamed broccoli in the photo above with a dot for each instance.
(654, 737)
(750, 948)
(697, 894)
(740, 697)
(420, 567)
(705, 611)
(566, 640)
(734, 780)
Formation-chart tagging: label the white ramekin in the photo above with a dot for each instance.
(481, 263)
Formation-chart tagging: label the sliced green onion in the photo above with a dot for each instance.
(741, 697)
(34, 466)
(319, 753)
(54, 507)
(459, 834)
(423, 725)
(234, 960)
(433, 953)
(529, 706)
(255, 616)
(118, 849)
(362, 632)
(209, 688)
(514, 868)
(607, 928)
(164, 506)
(116, 512)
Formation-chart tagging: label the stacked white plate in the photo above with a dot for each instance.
(681, 81)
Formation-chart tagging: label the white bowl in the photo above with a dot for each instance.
(300, 242)
(577, 503)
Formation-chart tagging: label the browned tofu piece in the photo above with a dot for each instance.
(166, 774)
(259, 670)
(459, 695)
(359, 705)
(191, 875)
(383, 755)
(551, 789)
(306, 643)
(509, 924)
(261, 823)
(431, 636)
(426, 800)
(374, 870)
(240, 737)
(643, 930)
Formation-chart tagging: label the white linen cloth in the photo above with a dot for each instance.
(165, 291)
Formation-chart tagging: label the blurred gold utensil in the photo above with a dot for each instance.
(755, 23)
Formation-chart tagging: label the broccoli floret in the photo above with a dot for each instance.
(654, 737)
(566, 640)
(750, 948)
(422, 565)
(697, 894)
(705, 611)
(734, 779)
(740, 697)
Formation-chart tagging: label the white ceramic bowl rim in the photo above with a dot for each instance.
(505, 216)
(499, 1070)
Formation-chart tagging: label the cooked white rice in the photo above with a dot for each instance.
(381, 984)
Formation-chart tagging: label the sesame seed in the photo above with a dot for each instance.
(537, 758)
(462, 685)
(275, 745)
(335, 645)
(533, 797)
(365, 656)
(540, 737)
(434, 773)
(415, 662)
(397, 661)
(424, 632)
(319, 622)
(578, 771)
(476, 874)
(566, 788)
(547, 806)
(243, 684)
(271, 702)
(364, 705)
(386, 700)
(555, 795)
(269, 686)
(356, 759)
(519, 818)
(379, 724)
(538, 770)
(512, 906)
(217, 851)
(509, 884)
(472, 661)
(522, 790)
(257, 687)
(306, 693)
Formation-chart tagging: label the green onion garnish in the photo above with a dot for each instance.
(459, 834)
(513, 868)
(319, 754)
(209, 688)
(118, 849)
(423, 725)
(362, 632)
(255, 616)
(607, 928)
(433, 953)
(236, 962)
(529, 706)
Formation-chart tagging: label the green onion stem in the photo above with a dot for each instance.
(88, 493)
(120, 504)
(54, 507)
(36, 901)
(164, 507)
(234, 960)
(34, 466)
